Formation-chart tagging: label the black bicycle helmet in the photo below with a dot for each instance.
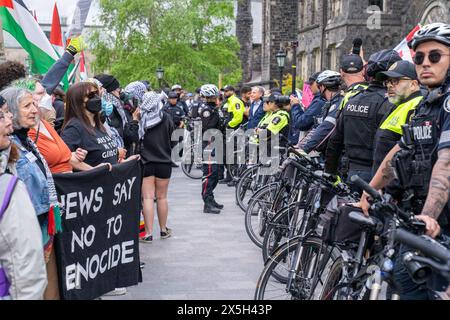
(381, 61)
(439, 32)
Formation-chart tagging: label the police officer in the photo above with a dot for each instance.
(180, 96)
(358, 122)
(275, 122)
(352, 73)
(233, 110)
(329, 83)
(175, 109)
(422, 158)
(404, 92)
(209, 114)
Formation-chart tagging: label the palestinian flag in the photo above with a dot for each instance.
(83, 72)
(56, 37)
(20, 23)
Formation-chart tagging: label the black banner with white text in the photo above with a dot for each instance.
(98, 249)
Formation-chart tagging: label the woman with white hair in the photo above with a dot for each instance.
(155, 131)
(20, 235)
(33, 170)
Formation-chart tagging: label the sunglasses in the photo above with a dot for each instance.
(394, 81)
(434, 56)
(92, 94)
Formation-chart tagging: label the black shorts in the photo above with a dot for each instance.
(158, 170)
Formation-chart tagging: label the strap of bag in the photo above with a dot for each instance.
(7, 197)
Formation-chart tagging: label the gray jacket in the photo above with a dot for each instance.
(21, 248)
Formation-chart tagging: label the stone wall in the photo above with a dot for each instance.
(280, 27)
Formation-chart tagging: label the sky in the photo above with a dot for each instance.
(44, 9)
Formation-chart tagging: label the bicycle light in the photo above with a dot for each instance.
(419, 272)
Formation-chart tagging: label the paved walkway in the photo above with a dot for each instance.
(208, 257)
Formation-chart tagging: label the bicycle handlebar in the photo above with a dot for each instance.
(366, 187)
(428, 247)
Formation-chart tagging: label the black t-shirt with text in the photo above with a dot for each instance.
(100, 146)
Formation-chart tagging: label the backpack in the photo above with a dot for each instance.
(4, 283)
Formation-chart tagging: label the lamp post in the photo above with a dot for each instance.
(160, 75)
(294, 45)
(281, 60)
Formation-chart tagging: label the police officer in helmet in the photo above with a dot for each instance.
(359, 120)
(422, 158)
(209, 114)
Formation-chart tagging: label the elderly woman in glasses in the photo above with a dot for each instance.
(20, 235)
(33, 170)
(58, 156)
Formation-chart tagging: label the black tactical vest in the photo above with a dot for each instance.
(414, 164)
(360, 126)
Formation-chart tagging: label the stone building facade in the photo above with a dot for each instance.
(325, 29)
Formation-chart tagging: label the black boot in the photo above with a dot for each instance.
(215, 204)
(226, 180)
(209, 207)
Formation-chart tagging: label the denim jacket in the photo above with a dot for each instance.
(30, 173)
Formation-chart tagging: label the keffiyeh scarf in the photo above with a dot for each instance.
(108, 97)
(151, 113)
(137, 88)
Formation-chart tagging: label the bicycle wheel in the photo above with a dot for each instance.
(283, 224)
(191, 165)
(273, 279)
(259, 212)
(330, 289)
(246, 187)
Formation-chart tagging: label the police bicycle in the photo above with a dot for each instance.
(366, 264)
(295, 267)
(191, 162)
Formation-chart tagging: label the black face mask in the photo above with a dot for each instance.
(94, 104)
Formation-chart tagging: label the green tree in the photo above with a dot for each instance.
(190, 39)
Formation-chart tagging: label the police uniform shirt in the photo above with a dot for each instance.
(210, 117)
(176, 112)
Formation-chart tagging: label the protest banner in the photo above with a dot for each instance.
(98, 249)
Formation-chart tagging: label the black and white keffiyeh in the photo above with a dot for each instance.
(151, 113)
(109, 97)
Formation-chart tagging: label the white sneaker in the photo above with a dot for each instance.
(117, 292)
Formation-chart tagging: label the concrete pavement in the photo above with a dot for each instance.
(208, 257)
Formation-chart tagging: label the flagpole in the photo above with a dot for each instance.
(72, 74)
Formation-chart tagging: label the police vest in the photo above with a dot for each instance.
(278, 121)
(414, 166)
(264, 121)
(360, 126)
(235, 107)
(352, 92)
(399, 116)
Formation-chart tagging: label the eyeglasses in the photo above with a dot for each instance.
(92, 94)
(434, 56)
(394, 81)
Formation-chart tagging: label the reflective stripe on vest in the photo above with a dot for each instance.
(397, 118)
(357, 89)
